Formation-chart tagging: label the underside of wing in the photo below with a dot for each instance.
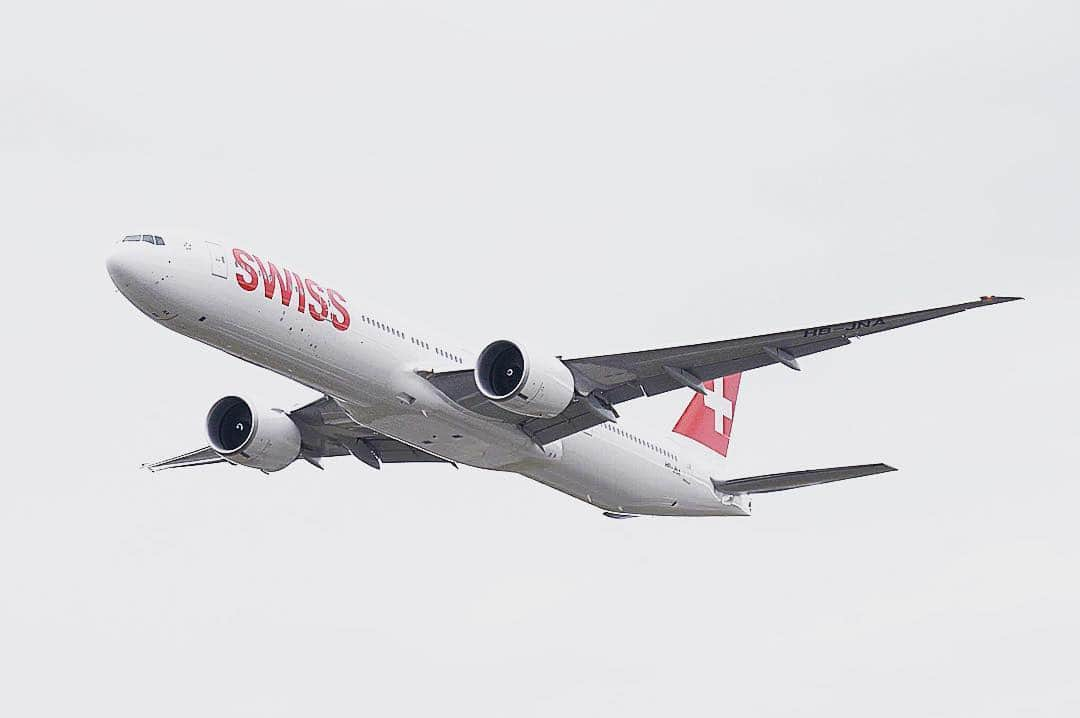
(659, 370)
(602, 382)
(326, 430)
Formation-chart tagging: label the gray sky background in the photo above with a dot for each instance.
(593, 177)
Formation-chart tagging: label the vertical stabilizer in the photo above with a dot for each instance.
(708, 419)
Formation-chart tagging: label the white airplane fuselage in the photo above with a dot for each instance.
(370, 361)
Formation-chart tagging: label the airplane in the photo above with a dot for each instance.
(395, 392)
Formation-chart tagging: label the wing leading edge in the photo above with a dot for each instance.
(601, 382)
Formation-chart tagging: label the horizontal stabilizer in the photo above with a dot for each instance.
(797, 479)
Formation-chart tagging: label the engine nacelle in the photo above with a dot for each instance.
(264, 439)
(540, 387)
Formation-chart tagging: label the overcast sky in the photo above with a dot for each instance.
(592, 177)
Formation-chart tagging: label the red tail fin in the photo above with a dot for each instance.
(708, 419)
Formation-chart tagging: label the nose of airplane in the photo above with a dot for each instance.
(135, 258)
(121, 265)
(140, 267)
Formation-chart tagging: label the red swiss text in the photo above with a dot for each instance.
(321, 304)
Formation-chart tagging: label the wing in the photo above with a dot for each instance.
(601, 382)
(325, 430)
(199, 457)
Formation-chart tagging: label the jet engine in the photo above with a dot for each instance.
(531, 386)
(264, 439)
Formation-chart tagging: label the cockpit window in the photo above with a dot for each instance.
(149, 238)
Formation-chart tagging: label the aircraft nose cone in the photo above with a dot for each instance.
(120, 264)
(140, 267)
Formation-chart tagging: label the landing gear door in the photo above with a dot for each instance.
(217, 261)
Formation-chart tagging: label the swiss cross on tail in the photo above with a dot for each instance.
(708, 419)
